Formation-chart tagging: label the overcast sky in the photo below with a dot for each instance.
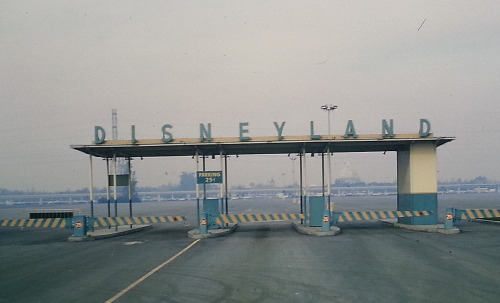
(66, 64)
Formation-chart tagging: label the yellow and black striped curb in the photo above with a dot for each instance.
(49, 222)
(97, 222)
(465, 214)
(118, 221)
(376, 215)
(243, 218)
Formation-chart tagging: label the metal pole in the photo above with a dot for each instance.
(204, 184)
(328, 122)
(222, 184)
(108, 194)
(329, 108)
(301, 191)
(115, 193)
(329, 191)
(225, 176)
(91, 189)
(305, 186)
(197, 192)
(130, 189)
(323, 174)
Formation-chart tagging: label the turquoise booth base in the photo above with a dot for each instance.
(418, 202)
(211, 208)
(316, 211)
(80, 227)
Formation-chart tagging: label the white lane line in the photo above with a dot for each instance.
(157, 268)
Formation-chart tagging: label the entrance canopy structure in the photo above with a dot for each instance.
(416, 157)
(259, 145)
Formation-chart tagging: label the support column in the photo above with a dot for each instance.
(323, 174)
(91, 189)
(115, 188)
(108, 194)
(225, 183)
(304, 186)
(130, 187)
(417, 182)
(197, 192)
(329, 191)
(301, 191)
(115, 193)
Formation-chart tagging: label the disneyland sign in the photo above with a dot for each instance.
(387, 131)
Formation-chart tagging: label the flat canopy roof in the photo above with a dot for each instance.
(257, 145)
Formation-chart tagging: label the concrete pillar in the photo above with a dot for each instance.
(417, 182)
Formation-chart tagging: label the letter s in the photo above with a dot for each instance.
(167, 136)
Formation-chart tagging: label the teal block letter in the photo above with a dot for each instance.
(279, 129)
(132, 137)
(350, 131)
(99, 135)
(205, 134)
(425, 128)
(167, 136)
(388, 129)
(244, 130)
(313, 136)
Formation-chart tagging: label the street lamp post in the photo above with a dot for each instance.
(293, 158)
(329, 108)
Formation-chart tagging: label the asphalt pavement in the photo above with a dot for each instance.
(258, 262)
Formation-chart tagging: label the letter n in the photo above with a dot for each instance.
(205, 134)
(388, 129)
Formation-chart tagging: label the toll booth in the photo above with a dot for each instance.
(316, 211)
(211, 208)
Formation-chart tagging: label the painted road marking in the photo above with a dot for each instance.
(157, 268)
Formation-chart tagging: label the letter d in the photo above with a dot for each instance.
(425, 128)
(99, 135)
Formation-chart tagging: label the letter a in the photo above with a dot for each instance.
(350, 131)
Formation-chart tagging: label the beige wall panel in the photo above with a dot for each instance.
(417, 169)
